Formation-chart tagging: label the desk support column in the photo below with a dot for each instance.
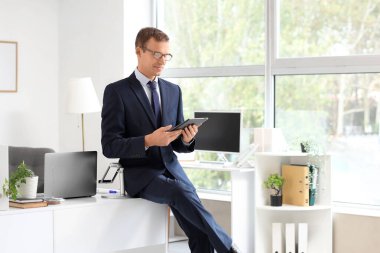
(243, 209)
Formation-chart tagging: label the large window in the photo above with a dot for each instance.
(342, 114)
(339, 111)
(313, 65)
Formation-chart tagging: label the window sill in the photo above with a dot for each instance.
(356, 209)
(211, 195)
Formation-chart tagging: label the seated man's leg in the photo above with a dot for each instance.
(185, 201)
(198, 241)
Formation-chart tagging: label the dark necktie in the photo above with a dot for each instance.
(155, 101)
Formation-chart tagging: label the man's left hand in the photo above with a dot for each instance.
(189, 133)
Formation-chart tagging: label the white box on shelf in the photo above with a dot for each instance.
(4, 201)
(276, 237)
(290, 238)
(302, 238)
(269, 140)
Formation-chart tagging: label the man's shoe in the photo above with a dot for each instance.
(234, 249)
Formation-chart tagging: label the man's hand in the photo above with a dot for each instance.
(161, 137)
(189, 133)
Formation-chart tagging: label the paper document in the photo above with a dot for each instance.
(276, 238)
(290, 234)
(302, 238)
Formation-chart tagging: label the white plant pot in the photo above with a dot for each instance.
(29, 189)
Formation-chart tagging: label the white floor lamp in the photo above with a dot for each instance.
(82, 98)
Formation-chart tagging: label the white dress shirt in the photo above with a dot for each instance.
(144, 83)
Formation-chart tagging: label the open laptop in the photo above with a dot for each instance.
(70, 175)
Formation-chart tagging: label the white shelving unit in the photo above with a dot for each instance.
(318, 217)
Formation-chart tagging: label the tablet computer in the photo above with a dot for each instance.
(194, 121)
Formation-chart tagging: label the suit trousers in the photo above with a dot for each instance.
(203, 232)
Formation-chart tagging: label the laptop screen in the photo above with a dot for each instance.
(71, 174)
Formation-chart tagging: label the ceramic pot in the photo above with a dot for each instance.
(303, 148)
(29, 189)
(276, 200)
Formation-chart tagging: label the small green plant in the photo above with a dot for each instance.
(311, 147)
(274, 182)
(18, 177)
(305, 146)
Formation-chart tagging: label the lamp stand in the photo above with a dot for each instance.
(82, 117)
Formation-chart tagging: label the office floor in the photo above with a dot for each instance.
(179, 247)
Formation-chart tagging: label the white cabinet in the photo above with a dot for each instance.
(24, 231)
(114, 225)
(318, 217)
(86, 225)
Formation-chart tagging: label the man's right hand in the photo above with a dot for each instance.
(161, 137)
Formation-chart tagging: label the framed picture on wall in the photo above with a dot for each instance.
(8, 66)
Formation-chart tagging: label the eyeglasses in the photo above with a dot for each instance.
(159, 55)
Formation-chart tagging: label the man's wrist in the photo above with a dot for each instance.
(147, 141)
(187, 143)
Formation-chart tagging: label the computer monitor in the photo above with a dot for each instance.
(220, 133)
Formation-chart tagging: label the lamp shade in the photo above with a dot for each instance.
(81, 96)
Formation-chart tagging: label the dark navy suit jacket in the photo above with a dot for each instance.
(127, 117)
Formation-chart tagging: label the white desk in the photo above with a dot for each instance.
(242, 202)
(86, 225)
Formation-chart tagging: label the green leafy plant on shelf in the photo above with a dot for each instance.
(18, 177)
(275, 183)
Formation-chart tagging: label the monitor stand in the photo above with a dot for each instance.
(221, 160)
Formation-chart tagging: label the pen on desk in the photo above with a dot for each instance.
(112, 191)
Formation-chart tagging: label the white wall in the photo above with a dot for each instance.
(97, 40)
(137, 14)
(91, 44)
(356, 233)
(30, 116)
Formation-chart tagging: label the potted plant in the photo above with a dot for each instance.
(22, 183)
(305, 146)
(275, 183)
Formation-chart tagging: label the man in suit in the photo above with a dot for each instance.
(137, 115)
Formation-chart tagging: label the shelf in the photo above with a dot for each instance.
(356, 209)
(215, 196)
(287, 208)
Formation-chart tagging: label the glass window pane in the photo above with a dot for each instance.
(340, 113)
(208, 180)
(329, 28)
(214, 33)
(239, 93)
